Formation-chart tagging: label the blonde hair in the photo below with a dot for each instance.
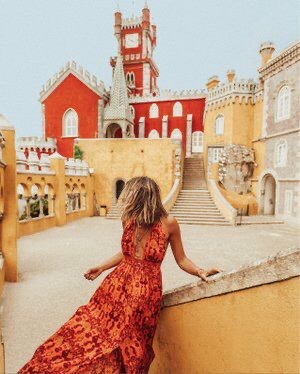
(140, 200)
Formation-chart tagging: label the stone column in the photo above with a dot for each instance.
(41, 214)
(100, 118)
(165, 127)
(83, 200)
(9, 228)
(51, 201)
(189, 123)
(142, 127)
(27, 199)
(57, 164)
(76, 201)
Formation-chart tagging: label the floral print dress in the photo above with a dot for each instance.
(113, 332)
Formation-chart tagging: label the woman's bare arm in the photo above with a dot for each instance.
(182, 260)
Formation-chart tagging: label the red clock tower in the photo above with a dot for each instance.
(136, 41)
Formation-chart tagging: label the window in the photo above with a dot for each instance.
(219, 125)
(153, 113)
(288, 201)
(176, 134)
(70, 123)
(215, 154)
(283, 103)
(153, 134)
(177, 109)
(281, 153)
(130, 79)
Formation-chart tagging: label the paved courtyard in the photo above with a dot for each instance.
(51, 285)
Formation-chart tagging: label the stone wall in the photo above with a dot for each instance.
(202, 326)
(122, 159)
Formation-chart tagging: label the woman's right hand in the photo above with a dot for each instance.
(93, 273)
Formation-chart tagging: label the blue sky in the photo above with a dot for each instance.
(195, 40)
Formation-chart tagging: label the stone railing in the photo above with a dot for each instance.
(170, 199)
(222, 204)
(76, 167)
(235, 316)
(46, 188)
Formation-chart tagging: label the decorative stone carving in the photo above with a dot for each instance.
(236, 165)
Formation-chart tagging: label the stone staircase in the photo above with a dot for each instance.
(113, 212)
(194, 204)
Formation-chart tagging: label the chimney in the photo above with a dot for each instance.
(266, 51)
(212, 82)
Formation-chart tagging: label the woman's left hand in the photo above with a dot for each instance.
(203, 274)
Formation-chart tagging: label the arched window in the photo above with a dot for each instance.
(153, 113)
(283, 103)
(177, 109)
(70, 123)
(176, 134)
(219, 125)
(153, 134)
(130, 78)
(281, 153)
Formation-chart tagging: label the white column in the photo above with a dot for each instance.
(43, 122)
(100, 118)
(142, 127)
(165, 127)
(189, 123)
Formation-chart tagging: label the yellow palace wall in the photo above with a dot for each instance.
(208, 335)
(242, 124)
(114, 159)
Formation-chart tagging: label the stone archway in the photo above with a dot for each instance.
(268, 195)
(113, 130)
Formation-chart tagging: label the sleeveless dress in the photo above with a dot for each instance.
(114, 331)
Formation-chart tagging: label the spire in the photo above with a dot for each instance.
(119, 105)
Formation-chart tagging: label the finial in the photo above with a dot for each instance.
(146, 5)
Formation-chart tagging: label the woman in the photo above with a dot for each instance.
(113, 332)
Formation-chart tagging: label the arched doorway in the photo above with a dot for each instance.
(268, 195)
(119, 187)
(113, 131)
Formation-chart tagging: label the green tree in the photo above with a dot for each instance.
(78, 153)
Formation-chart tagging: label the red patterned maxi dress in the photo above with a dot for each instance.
(113, 332)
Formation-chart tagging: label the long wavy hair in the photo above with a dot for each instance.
(140, 200)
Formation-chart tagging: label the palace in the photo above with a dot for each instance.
(75, 104)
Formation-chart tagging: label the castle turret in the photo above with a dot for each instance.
(212, 82)
(146, 17)
(266, 51)
(118, 27)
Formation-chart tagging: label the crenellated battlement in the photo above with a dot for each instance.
(132, 22)
(72, 67)
(35, 142)
(167, 94)
(244, 90)
(36, 165)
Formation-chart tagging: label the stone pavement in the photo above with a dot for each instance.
(51, 285)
